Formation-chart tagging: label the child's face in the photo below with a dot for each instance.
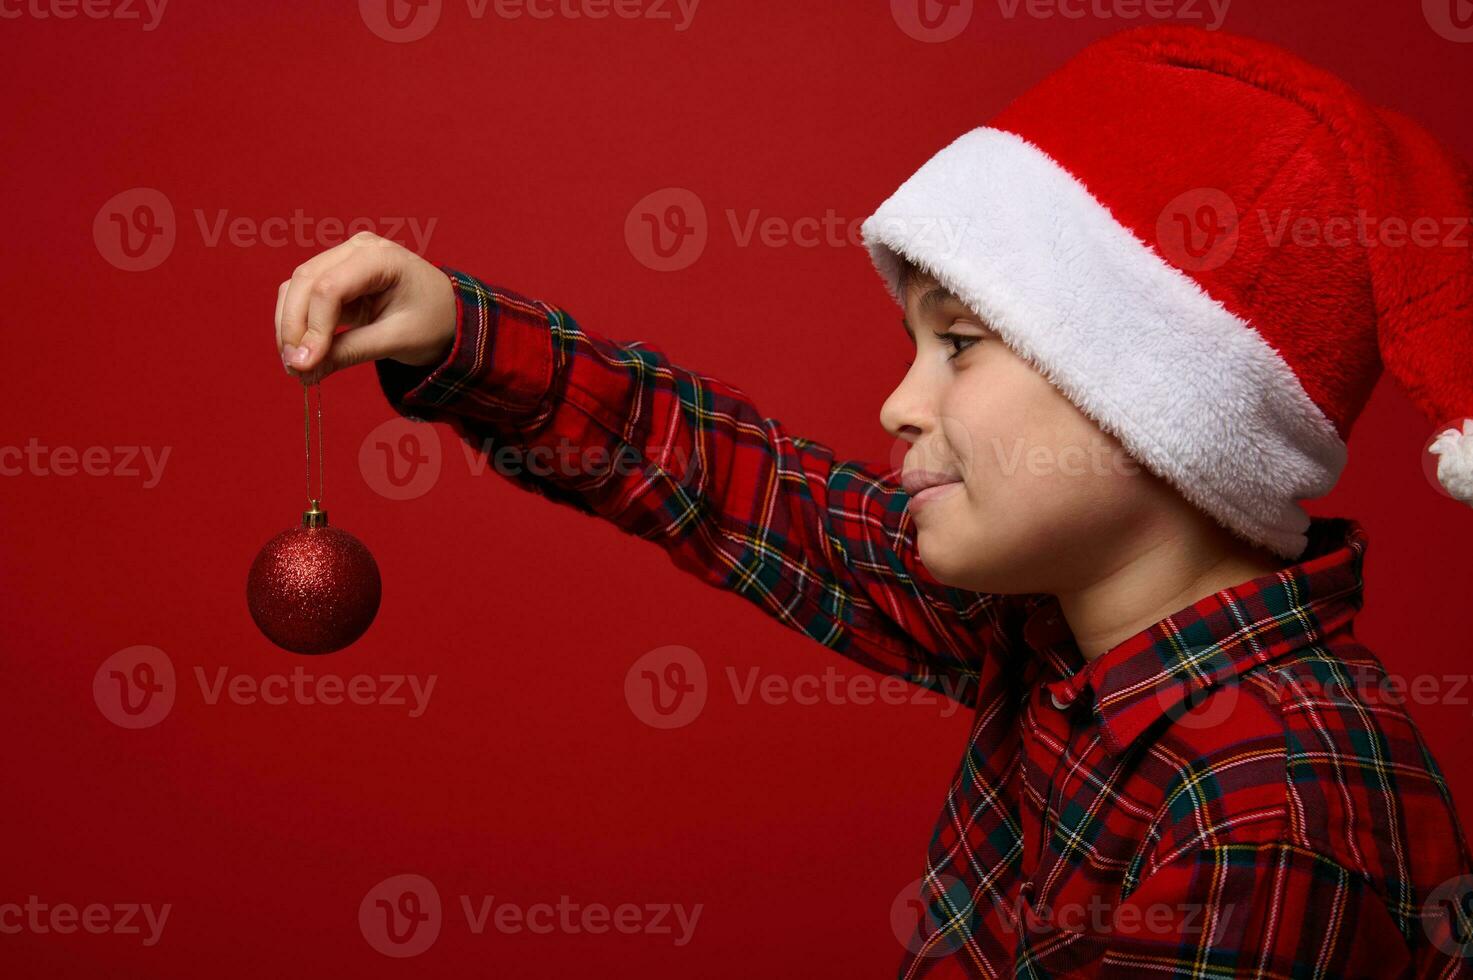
(1043, 494)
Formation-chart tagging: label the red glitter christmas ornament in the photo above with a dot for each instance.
(313, 589)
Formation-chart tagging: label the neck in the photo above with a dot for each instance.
(1158, 578)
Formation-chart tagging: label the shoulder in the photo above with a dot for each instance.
(1316, 749)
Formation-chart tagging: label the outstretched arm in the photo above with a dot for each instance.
(675, 457)
(687, 461)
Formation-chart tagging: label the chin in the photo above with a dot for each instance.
(937, 557)
(949, 561)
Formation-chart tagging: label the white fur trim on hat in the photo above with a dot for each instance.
(1454, 450)
(1191, 390)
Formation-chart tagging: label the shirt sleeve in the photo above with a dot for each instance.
(614, 430)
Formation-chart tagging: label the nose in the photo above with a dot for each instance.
(905, 412)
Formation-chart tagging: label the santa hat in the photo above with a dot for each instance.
(1211, 248)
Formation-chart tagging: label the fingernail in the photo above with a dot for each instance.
(287, 350)
(299, 355)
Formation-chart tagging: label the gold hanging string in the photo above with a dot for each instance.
(314, 504)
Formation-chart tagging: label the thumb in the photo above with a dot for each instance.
(356, 346)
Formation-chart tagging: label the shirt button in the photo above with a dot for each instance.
(1058, 703)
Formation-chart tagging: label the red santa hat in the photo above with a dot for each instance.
(1211, 248)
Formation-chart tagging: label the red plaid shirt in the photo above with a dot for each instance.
(1234, 791)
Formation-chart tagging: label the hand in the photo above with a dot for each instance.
(394, 304)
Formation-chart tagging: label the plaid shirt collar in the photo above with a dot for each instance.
(1163, 669)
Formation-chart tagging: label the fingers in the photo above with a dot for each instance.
(280, 302)
(311, 302)
(355, 347)
(370, 343)
(292, 304)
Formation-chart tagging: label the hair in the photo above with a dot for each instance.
(911, 273)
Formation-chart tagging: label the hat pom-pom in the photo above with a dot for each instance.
(1455, 461)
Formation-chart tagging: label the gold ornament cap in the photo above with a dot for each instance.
(315, 517)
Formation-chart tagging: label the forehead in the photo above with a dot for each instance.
(928, 294)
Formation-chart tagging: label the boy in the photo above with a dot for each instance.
(1182, 762)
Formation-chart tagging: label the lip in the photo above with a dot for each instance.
(914, 481)
(924, 486)
(934, 492)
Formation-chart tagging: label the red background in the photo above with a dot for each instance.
(528, 777)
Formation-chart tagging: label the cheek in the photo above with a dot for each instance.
(995, 420)
(1044, 485)
(1031, 456)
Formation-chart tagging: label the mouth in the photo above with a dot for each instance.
(924, 487)
(930, 494)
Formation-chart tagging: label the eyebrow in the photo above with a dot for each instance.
(932, 298)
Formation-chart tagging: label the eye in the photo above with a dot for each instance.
(958, 343)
